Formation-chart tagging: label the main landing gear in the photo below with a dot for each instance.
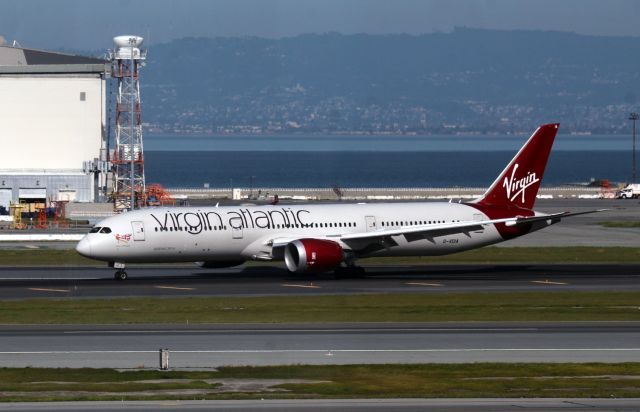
(350, 271)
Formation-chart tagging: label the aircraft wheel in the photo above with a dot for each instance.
(121, 275)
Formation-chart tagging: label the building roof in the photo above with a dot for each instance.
(18, 60)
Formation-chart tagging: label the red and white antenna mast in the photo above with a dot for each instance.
(128, 156)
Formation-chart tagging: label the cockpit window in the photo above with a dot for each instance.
(95, 229)
(105, 230)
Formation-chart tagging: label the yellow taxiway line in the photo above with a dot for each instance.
(548, 282)
(173, 288)
(312, 286)
(49, 290)
(424, 284)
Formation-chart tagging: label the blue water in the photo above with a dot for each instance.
(391, 168)
(372, 161)
(377, 143)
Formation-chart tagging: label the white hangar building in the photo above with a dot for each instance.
(53, 136)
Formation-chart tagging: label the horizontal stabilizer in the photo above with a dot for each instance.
(554, 217)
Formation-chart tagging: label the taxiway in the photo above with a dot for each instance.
(211, 346)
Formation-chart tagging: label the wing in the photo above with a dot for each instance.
(443, 229)
(413, 233)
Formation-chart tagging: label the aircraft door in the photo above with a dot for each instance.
(236, 232)
(138, 230)
(370, 222)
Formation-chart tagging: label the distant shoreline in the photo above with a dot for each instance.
(365, 134)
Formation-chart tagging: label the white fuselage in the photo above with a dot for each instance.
(238, 233)
(321, 237)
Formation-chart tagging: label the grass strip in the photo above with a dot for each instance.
(538, 255)
(44, 257)
(478, 380)
(423, 307)
(621, 224)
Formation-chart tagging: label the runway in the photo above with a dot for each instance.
(91, 282)
(210, 346)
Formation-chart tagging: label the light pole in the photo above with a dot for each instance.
(633, 117)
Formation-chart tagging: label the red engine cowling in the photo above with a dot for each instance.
(312, 255)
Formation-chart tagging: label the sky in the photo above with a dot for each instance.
(91, 24)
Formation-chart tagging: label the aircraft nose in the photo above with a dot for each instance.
(84, 247)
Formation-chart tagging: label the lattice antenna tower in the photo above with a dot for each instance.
(128, 155)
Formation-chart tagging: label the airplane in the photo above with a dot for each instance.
(326, 237)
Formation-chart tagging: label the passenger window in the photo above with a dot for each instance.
(105, 230)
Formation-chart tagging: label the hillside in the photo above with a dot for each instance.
(467, 80)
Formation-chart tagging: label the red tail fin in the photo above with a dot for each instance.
(518, 184)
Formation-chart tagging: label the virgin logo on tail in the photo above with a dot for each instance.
(518, 187)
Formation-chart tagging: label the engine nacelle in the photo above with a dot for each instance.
(312, 255)
(219, 264)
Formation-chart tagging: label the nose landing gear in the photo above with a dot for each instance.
(120, 274)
